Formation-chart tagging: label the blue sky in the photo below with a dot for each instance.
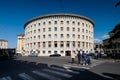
(15, 13)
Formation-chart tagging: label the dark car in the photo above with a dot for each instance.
(55, 55)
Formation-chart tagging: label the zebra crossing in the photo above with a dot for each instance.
(52, 73)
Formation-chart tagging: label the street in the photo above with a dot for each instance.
(57, 68)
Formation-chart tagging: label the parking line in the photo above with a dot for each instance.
(50, 77)
(58, 73)
(25, 76)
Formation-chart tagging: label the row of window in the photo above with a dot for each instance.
(61, 44)
(61, 29)
(61, 36)
(60, 22)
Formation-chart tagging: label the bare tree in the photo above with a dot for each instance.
(117, 4)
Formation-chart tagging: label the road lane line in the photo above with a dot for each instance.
(65, 70)
(25, 76)
(50, 77)
(58, 73)
(6, 78)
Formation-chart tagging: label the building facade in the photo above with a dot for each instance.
(58, 34)
(3, 44)
(20, 44)
(112, 44)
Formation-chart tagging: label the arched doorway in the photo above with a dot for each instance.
(68, 53)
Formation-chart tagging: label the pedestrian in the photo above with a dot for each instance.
(85, 59)
(79, 55)
(73, 56)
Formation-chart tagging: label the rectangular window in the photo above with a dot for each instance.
(73, 22)
(49, 29)
(73, 29)
(49, 52)
(49, 22)
(38, 30)
(43, 36)
(55, 43)
(55, 22)
(39, 24)
(73, 43)
(68, 29)
(38, 36)
(43, 29)
(78, 23)
(34, 31)
(43, 23)
(78, 29)
(82, 36)
(68, 44)
(68, 35)
(78, 43)
(43, 52)
(55, 35)
(61, 28)
(61, 22)
(67, 22)
(49, 44)
(49, 35)
(78, 36)
(61, 44)
(55, 28)
(73, 35)
(83, 30)
(55, 52)
(43, 44)
(61, 52)
(38, 44)
(61, 35)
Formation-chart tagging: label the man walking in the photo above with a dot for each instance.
(79, 57)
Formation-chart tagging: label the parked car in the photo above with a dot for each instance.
(55, 55)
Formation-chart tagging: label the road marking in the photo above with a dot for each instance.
(25, 76)
(50, 77)
(65, 70)
(58, 73)
(6, 78)
(73, 66)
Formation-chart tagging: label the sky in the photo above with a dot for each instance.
(15, 13)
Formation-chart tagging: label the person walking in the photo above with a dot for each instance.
(79, 56)
(73, 56)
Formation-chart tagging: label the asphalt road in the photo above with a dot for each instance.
(53, 68)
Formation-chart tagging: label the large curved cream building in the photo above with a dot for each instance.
(58, 33)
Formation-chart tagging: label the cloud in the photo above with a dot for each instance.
(105, 36)
(97, 40)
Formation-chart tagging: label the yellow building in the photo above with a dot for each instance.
(3, 44)
(20, 44)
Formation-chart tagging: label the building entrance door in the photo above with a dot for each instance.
(68, 53)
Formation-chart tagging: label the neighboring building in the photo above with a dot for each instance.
(112, 45)
(3, 44)
(58, 33)
(20, 44)
(98, 47)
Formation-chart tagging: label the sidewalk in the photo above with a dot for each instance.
(94, 63)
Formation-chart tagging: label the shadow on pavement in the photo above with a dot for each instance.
(14, 67)
(112, 75)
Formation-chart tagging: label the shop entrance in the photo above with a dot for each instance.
(68, 53)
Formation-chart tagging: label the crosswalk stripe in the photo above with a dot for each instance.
(50, 77)
(25, 76)
(6, 78)
(65, 70)
(58, 73)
